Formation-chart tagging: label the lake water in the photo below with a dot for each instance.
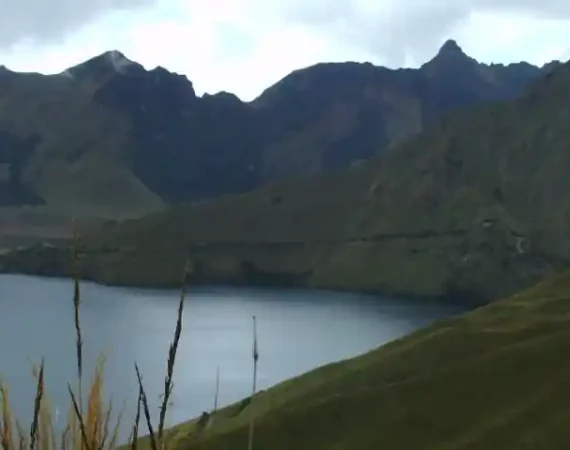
(297, 330)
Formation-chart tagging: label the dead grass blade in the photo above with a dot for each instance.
(6, 423)
(76, 304)
(84, 440)
(135, 433)
(217, 393)
(146, 410)
(64, 438)
(78, 339)
(255, 355)
(106, 422)
(22, 439)
(115, 433)
(172, 356)
(37, 405)
(46, 432)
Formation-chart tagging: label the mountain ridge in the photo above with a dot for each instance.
(449, 49)
(109, 139)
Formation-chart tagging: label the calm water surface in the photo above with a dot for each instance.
(298, 330)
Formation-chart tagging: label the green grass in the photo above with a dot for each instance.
(62, 113)
(495, 378)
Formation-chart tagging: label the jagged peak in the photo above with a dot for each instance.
(112, 61)
(451, 47)
(549, 66)
(119, 61)
(449, 54)
(159, 75)
(223, 96)
(160, 71)
(114, 65)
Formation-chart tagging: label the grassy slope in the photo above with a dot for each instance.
(60, 110)
(495, 378)
(89, 188)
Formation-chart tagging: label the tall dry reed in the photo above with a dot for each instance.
(255, 355)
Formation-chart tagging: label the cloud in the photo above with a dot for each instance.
(44, 21)
(398, 30)
(244, 46)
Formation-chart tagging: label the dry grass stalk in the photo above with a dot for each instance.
(6, 423)
(168, 386)
(37, 406)
(146, 409)
(133, 439)
(217, 393)
(22, 439)
(158, 440)
(255, 355)
(115, 434)
(76, 304)
(46, 432)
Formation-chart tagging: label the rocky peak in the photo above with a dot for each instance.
(449, 58)
(106, 64)
(450, 48)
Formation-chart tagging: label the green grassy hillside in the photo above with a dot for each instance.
(65, 149)
(495, 378)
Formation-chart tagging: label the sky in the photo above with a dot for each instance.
(244, 46)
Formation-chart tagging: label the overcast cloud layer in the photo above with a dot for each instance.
(244, 45)
(49, 20)
(396, 28)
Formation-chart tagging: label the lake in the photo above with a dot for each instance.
(297, 330)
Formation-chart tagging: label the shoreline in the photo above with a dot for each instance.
(468, 301)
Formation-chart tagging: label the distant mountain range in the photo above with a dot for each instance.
(112, 139)
(476, 206)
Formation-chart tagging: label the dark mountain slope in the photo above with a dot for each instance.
(113, 139)
(329, 115)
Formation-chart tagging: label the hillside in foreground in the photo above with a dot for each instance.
(495, 378)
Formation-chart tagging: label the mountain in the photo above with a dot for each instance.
(110, 139)
(495, 378)
(473, 208)
(329, 116)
